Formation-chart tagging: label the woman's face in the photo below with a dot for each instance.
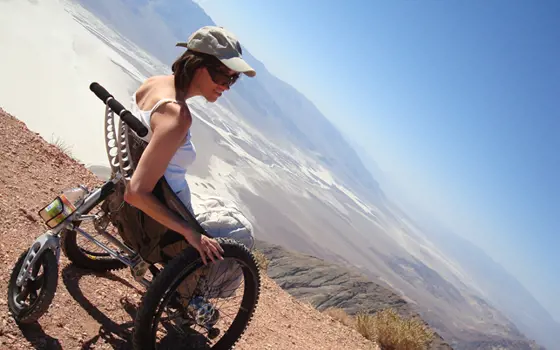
(215, 80)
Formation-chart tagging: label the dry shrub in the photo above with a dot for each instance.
(340, 315)
(392, 332)
(366, 326)
(61, 145)
(262, 260)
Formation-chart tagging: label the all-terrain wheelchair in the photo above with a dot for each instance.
(182, 304)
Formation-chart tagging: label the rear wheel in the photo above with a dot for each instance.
(30, 301)
(87, 254)
(84, 253)
(195, 317)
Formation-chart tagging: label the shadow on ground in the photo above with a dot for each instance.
(118, 335)
(113, 333)
(35, 334)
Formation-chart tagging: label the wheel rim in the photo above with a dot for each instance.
(194, 331)
(31, 288)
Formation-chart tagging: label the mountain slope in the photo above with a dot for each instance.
(496, 284)
(499, 286)
(327, 285)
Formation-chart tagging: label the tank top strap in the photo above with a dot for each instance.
(159, 103)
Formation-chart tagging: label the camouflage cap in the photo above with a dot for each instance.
(222, 44)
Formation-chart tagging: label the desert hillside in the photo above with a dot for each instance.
(326, 285)
(95, 311)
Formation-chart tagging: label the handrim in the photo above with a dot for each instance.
(161, 292)
(187, 271)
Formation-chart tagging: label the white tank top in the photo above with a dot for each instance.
(176, 171)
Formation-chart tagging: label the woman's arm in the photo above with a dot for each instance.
(169, 126)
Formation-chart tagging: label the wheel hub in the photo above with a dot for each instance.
(203, 312)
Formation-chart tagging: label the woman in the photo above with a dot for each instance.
(210, 66)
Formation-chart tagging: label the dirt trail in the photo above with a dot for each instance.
(93, 311)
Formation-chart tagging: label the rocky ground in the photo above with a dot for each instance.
(96, 311)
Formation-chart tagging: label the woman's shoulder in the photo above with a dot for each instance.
(156, 91)
(172, 109)
(159, 98)
(151, 89)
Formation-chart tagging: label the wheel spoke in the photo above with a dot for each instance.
(30, 301)
(33, 295)
(214, 302)
(210, 282)
(22, 295)
(34, 284)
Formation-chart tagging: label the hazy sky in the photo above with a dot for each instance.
(457, 100)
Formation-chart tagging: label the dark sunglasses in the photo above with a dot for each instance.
(220, 77)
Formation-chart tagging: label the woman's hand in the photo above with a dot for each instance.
(207, 247)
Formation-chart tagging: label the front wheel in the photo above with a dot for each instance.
(30, 301)
(188, 298)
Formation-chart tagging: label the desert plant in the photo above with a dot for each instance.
(340, 315)
(61, 145)
(365, 325)
(262, 260)
(392, 332)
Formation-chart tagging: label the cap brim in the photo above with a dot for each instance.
(239, 65)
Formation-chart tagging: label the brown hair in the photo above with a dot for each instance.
(184, 67)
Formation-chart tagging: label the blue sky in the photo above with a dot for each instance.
(457, 100)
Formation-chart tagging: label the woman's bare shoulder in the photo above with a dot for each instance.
(173, 114)
(176, 113)
(153, 90)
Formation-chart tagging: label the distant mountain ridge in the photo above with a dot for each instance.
(282, 114)
(499, 286)
(502, 289)
(328, 285)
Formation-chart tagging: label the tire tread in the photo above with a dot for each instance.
(150, 300)
(46, 295)
(71, 250)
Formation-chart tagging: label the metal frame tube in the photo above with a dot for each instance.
(114, 254)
